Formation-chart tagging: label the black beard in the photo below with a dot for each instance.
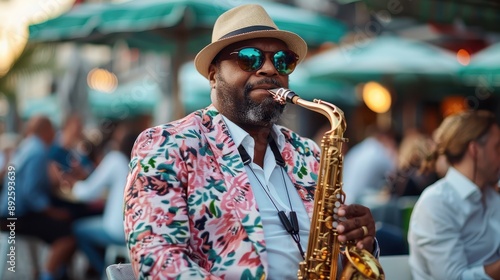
(268, 111)
(245, 110)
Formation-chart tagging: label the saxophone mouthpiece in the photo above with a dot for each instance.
(283, 95)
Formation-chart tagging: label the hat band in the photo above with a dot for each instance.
(247, 30)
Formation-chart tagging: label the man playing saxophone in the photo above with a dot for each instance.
(226, 193)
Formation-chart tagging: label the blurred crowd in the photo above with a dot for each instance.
(68, 189)
(387, 172)
(69, 185)
(391, 174)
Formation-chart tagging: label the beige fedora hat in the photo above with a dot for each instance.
(242, 23)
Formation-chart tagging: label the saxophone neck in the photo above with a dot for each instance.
(334, 115)
(330, 111)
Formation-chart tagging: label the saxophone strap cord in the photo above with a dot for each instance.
(291, 225)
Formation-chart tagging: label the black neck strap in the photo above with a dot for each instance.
(291, 225)
(274, 148)
(277, 155)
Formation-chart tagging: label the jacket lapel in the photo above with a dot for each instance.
(243, 204)
(300, 174)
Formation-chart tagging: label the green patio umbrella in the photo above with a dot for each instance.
(178, 27)
(129, 99)
(47, 106)
(386, 59)
(484, 69)
(165, 25)
(484, 14)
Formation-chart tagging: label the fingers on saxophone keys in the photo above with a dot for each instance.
(352, 232)
(353, 210)
(347, 234)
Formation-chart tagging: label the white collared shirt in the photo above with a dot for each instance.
(109, 177)
(282, 252)
(454, 230)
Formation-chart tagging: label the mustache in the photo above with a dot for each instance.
(265, 81)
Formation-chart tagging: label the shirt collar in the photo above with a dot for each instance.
(241, 137)
(462, 185)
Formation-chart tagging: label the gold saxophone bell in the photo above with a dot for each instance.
(361, 265)
(323, 250)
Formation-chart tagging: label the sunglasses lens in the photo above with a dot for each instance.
(285, 62)
(250, 59)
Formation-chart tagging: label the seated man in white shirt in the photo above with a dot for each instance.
(455, 225)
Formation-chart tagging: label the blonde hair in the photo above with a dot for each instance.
(455, 133)
(414, 148)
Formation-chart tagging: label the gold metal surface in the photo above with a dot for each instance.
(323, 250)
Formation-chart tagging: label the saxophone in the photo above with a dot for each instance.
(323, 250)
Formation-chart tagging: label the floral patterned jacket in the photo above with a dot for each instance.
(189, 209)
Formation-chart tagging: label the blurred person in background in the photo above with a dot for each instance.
(8, 144)
(106, 182)
(367, 164)
(455, 224)
(65, 157)
(35, 214)
(410, 178)
(64, 153)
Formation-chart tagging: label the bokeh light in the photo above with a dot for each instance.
(376, 97)
(12, 42)
(102, 80)
(453, 104)
(16, 15)
(463, 57)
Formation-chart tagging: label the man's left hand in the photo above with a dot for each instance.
(358, 226)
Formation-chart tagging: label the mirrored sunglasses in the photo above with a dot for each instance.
(252, 59)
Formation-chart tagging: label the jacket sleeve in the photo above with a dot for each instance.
(156, 218)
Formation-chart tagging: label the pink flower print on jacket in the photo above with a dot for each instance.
(189, 209)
